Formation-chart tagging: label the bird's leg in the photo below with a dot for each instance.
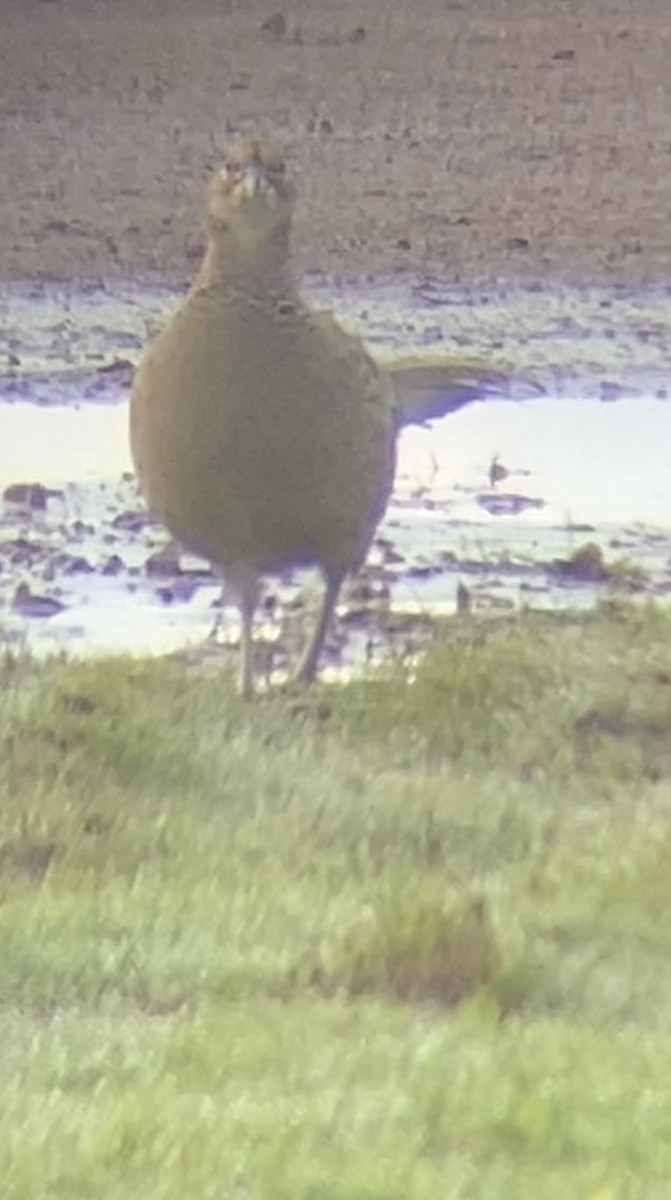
(247, 603)
(306, 668)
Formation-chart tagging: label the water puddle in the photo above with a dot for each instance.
(492, 509)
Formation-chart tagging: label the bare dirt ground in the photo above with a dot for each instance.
(482, 140)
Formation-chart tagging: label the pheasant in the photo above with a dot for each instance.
(263, 434)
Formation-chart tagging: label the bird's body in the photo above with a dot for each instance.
(262, 433)
(267, 459)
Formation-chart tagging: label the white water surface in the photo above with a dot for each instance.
(589, 461)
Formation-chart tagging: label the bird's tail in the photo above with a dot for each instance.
(429, 388)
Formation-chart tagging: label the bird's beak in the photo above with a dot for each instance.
(253, 183)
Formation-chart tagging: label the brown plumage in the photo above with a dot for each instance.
(263, 434)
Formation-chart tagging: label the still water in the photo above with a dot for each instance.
(584, 457)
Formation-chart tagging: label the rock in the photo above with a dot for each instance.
(29, 495)
(29, 604)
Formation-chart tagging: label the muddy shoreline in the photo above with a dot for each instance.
(66, 341)
(493, 508)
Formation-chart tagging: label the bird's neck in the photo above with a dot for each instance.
(255, 270)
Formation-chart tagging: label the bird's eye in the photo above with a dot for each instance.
(276, 168)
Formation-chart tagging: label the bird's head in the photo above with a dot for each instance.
(250, 196)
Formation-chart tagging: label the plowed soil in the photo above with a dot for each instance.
(482, 140)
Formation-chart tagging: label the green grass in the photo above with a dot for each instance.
(398, 940)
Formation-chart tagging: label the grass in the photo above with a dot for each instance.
(398, 940)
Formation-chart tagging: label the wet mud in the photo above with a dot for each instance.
(551, 490)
